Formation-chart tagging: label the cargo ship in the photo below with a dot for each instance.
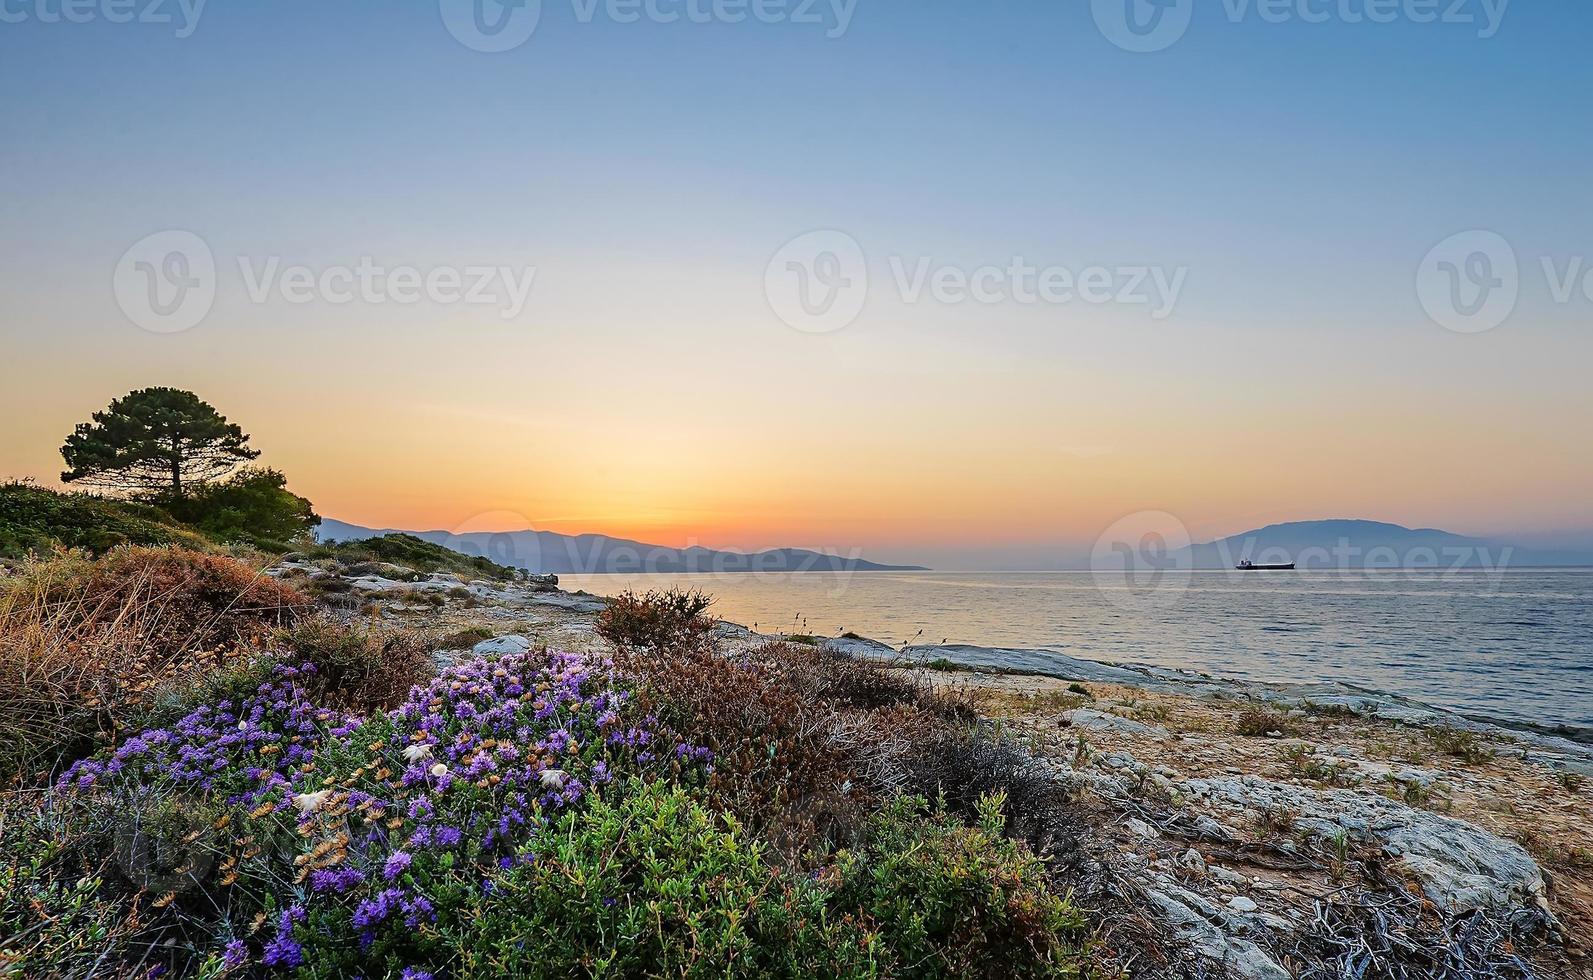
(1250, 566)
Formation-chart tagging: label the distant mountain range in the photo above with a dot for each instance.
(549, 551)
(1351, 544)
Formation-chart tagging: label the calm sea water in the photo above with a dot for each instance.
(1514, 645)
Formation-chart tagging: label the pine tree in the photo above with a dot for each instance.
(154, 442)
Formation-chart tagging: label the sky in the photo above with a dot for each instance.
(961, 284)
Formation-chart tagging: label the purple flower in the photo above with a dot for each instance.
(446, 836)
(372, 911)
(235, 955)
(283, 951)
(415, 973)
(396, 865)
(335, 880)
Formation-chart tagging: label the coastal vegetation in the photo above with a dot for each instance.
(208, 777)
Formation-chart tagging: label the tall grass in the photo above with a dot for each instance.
(85, 643)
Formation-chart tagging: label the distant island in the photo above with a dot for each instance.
(587, 554)
(1361, 544)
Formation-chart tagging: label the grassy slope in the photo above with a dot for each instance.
(412, 552)
(33, 518)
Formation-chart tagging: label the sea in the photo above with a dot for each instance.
(1511, 645)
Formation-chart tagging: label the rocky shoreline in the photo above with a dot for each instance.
(1260, 832)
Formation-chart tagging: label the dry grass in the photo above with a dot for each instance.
(84, 643)
(1258, 722)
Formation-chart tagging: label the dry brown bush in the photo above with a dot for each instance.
(805, 741)
(84, 643)
(658, 620)
(359, 668)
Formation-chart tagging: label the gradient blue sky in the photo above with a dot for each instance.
(1300, 172)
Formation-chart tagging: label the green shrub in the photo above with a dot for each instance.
(253, 505)
(948, 900)
(54, 867)
(465, 639)
(653, 884)
(412, 552)
(35, 519)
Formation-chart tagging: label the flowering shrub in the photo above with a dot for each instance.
(536, 815)
(364, 840)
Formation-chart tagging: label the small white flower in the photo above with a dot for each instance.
(553, 778)
(439, 770)
(417, 753)
(311, 802)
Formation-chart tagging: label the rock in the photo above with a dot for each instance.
(542, 578)
(1140, 828)
(1099, 721)
(376, 583)
(1462, 868)
(1232, 879)
(500, 645)
(1241, 904)
(1193, 862)
(1192, 918)
(1211, 830)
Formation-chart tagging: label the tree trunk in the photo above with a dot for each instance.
(176, 466)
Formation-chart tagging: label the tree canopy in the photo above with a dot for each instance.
(155, 442)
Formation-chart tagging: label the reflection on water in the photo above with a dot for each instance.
(1516, 644)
